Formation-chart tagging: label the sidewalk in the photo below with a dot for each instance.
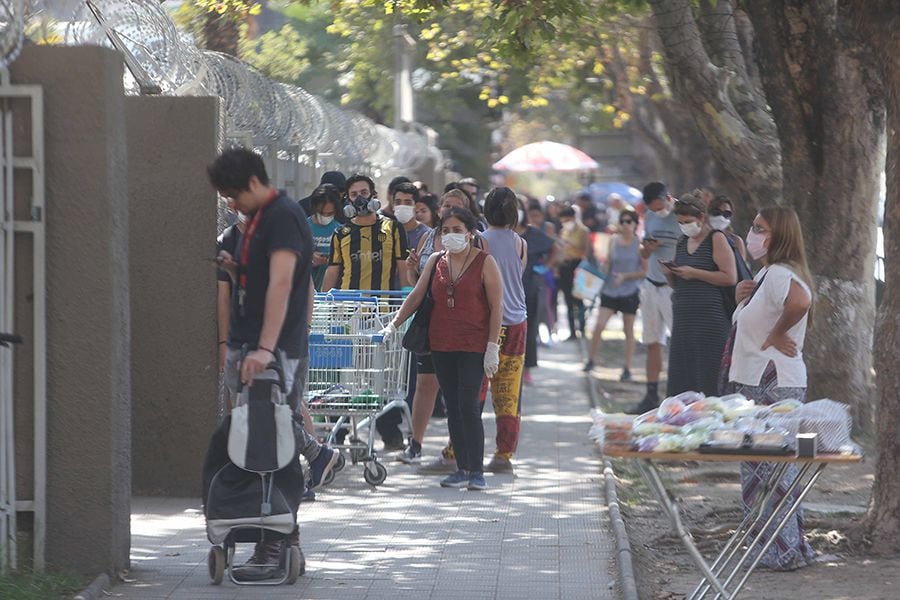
(544, 534)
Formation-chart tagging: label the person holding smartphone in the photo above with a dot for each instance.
(661, 232)
(704, 264)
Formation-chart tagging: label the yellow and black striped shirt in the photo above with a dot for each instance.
(367, 254)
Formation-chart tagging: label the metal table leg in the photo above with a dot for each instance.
(793, 508)
(752, 519)
(648, 470)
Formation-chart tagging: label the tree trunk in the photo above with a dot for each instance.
(825, 95)
(878, 21)
(221, 33)
(740, 134)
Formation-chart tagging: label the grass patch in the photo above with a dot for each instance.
(34, 586)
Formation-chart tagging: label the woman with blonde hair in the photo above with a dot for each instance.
(767, 357)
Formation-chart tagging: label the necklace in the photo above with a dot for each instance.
(451, 286)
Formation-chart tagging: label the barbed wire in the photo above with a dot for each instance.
(256, 108)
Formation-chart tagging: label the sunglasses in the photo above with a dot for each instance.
(722, 213)
(626, 222)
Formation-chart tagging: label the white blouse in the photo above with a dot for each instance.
(755, 320)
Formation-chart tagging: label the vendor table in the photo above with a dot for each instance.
(724, 570)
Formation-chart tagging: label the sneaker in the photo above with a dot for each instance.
(526, 378)
(456, 480)
(500, 465)
(308, 496)
(649, 402)
(321, 466)
(264, 564)
(588, 366)
(438, 465)
(476, 482)
(410, 456)
(625, 376)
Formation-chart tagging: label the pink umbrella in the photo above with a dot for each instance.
(546, 156)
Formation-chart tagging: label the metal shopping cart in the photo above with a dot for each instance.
(355, 374)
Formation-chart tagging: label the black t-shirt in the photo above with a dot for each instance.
(282, 226)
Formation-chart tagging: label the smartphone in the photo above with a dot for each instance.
(648, 238)
(668, 263)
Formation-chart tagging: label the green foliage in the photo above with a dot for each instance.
(281, 55)
(32, 586)
(232, 9)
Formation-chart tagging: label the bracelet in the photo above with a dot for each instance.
(223, 342)
(266, 349)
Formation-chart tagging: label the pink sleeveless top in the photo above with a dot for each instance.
(463, 328)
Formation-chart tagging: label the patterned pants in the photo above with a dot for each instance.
(790, 549)
(506, 391)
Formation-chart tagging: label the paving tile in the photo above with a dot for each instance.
(543, 534)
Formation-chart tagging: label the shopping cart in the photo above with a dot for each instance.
(355, 374)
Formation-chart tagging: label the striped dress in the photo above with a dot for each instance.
(700, 325)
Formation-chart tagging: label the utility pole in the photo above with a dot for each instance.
(404, 101)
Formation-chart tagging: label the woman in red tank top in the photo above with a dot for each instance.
(463, 334)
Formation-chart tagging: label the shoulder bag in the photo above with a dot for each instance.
(416, 337)
(743, 274)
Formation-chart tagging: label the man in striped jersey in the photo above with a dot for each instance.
(369, 252)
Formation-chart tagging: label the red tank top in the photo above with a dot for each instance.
(463, 328)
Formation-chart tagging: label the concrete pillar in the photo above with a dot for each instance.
(173, 290)
(88, 326)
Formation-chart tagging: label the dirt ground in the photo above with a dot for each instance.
(709, 498)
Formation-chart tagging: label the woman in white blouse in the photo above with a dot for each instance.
(767, 360)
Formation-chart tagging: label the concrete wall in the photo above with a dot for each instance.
(173, 290)
(88, 327)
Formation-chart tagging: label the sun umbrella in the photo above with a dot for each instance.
(546, 156)
(600, 190)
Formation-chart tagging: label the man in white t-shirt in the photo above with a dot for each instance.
(661, 234)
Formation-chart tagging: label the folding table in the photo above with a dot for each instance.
(723, 571)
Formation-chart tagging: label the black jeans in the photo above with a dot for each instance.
(574, 306)
(459, 375)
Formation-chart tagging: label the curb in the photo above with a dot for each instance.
(96, 590)
(623, 546)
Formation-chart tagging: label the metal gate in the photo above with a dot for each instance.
(21, 221)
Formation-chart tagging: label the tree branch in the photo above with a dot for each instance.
(751, 154)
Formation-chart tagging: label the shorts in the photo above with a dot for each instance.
(627, 305)
(656, 312)
(424, 364)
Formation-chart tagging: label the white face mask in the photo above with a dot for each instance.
(568, 226)
(404, 213)
(690, 229)
(719, 223)
(323, 220)
(454, 242)
(663, 212)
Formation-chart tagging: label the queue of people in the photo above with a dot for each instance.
(492, 269)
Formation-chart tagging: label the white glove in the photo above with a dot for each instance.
(491, 359)
(388, 331)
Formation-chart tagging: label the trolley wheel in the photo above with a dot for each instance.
(216, 563)
(375, 473)
(340, 463)
(295, 566)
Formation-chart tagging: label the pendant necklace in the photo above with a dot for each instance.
(451, 286)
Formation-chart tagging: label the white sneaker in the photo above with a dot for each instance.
(438, 465)
(410, 456)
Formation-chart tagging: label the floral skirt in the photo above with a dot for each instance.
(790, 549)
